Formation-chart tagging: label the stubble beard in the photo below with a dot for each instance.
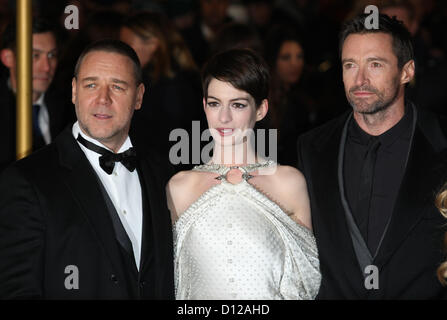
(108, 140)
(376, 107)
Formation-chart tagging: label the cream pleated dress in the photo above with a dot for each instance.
(236, 243)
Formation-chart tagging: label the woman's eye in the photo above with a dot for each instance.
(239, 105)
(212, 104)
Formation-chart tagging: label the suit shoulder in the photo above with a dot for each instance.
(160, 165)
(325, 130)
(39, 161)
(434, 127)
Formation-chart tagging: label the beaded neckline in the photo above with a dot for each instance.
(222, 170)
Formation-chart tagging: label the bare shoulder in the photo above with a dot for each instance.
(181, 179)
(288, 187)
(184, 188)
(178, 192)
(288, 177)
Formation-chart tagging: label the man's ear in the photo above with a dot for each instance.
(261, 111)
(73, 90)
(407, 72)
(8, 58)
(140, 94)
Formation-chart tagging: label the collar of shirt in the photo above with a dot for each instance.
(92, 156)
(44, 119)
(8, 82)
(387, 139)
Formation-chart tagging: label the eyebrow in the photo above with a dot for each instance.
(114, 80)
(369, 60)
(40, 50)
(377, 59)
(235, 99)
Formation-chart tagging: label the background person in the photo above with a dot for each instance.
(170, 74)
(50, 112)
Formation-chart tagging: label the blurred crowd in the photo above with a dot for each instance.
(298, 39)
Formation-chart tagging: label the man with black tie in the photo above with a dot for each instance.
(372, 175)
(50, 111)
(85, 218)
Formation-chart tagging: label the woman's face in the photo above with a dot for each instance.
(290, 62)
(145, 48)
(230, 111)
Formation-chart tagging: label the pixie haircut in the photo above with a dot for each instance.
(402, 47)
(243, 68)
(113, 46)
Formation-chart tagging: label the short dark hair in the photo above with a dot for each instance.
(243, 68)
(401, 38)
(113, 46)
(39, 25)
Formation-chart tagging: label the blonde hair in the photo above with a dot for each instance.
(441, 204)
(171, 49)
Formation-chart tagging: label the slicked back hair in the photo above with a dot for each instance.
(112, 46)
(401, 37)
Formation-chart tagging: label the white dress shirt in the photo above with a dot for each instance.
(123, 188)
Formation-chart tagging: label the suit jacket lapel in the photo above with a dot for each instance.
(423, 178)
(328, 199)
(151, 218)
(80, 178)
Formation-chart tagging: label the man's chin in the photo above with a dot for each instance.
(40, 88)
(363, 107)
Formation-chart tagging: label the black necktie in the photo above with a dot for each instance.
(107, 159)
(365, 186)
(38, 141)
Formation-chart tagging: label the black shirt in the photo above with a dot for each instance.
(388, 173)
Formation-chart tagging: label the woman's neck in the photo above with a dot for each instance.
(234, 155)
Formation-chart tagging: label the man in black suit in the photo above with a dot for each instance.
(50, 111)
(84, 218)
(372, 174)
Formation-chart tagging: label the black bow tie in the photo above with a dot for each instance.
(107, 159)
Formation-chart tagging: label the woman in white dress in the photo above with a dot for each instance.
(242, 229)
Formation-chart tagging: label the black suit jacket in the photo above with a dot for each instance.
(411, 249)
(60, 113)
(53, 215)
